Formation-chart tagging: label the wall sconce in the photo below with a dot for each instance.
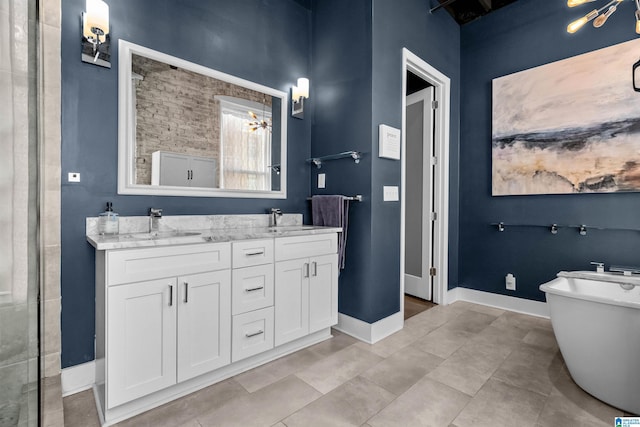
(298, 94)
(95, 34)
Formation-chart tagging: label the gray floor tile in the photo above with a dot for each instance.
(395, 342)
(468, 369)
(486, 309)
(443, 342)
(543, 338)
(427, 403)
(561, 411)
(351, 404)
(80, 410)
(333, 345)
(471, 321)
(500, 404)
(186, 409)
(265, 407)
(338, 368)
(526, 367)
(400, 371)
(272, 372)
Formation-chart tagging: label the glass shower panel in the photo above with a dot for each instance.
(19, 284)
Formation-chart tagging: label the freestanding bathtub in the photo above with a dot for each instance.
(596, 320)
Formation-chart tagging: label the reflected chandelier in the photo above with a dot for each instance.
(599, 16)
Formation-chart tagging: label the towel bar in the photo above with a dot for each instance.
(356, 198)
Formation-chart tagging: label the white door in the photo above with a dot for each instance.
(174, 170)
(204, 323)
(141, 347)
(323, 292)
(203, 172)
(419, 194)
(291, 300)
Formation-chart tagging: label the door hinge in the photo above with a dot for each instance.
(434, 160)
(434, 104)
(434, 216)
(432, 271)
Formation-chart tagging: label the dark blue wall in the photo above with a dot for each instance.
(517, 37)
(341, 58)
(266, 41)
(357, 63)
(435, 38)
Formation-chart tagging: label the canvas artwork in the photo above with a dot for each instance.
(571, 126)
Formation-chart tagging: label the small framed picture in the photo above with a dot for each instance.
(389, 142)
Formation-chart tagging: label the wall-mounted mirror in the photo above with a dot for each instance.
(188, 130)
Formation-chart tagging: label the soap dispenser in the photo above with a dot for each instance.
(108, 221)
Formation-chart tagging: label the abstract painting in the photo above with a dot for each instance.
(571, 126)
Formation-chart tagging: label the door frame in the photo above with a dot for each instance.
(442, 84)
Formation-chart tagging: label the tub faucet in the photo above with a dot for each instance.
(154, 218)
(599, 266)
(274, 219)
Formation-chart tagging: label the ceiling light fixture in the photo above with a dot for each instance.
(599, 16)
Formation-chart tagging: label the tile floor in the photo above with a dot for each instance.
(459, 365)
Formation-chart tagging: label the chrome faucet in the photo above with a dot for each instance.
(274, 219)
(599, 266)
(154, 217)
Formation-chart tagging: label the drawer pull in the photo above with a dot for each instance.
(254, 253)
(306, 270)
(254, 289)
(186, 292)
(254, 334)
(315, 268)
(170, 295)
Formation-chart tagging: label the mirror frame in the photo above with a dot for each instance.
(126, 129)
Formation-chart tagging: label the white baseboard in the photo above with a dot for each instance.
(78, 378)
(370, 332)
(505, 302)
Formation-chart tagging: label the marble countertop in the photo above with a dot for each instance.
(185, 237)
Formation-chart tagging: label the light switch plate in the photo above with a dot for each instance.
(321, 180)
(390, 193)
(74, 177)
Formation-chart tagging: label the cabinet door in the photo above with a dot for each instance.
(291, 302)
(141, 339)
(204, 323)
(323, 292)
(174, 169)
(203, 172)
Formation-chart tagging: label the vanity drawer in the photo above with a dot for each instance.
(305, 246)
(252, 288)
(252, 252)
(135, 265)
(252, 333)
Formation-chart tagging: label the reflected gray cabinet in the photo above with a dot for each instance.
(181, 170)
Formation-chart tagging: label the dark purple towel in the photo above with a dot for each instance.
(332, 211)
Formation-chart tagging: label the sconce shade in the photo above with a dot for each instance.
(303, 87)
(96, 17)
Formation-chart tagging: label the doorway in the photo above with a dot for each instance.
(425, 181)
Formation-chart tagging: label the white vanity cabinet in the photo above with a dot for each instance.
(176, 318)
(155, 333)
(306, 285)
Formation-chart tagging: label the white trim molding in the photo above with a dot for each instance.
(78, 378)
(370, 332)
(505, 302)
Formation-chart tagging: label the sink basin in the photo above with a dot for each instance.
(162, 235)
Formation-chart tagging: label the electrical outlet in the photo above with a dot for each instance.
(510, 282)
(321, 180)
(74, 177)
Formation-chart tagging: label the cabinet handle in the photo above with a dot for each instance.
(254, 253)
(306, 269)
(254, 334)
(315, 268)
(191, 174)
(254, 289)
(186, 292)
(170, 295)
